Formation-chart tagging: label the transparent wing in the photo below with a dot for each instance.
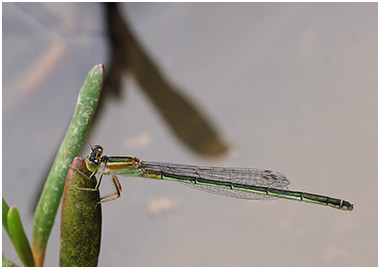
(246, 176)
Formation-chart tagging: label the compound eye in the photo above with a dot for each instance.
(98, 149)
(92, 166)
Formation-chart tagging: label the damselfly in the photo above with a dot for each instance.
(245, 183)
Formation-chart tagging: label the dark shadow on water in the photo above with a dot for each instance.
(181, 115)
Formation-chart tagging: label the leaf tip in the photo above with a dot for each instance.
(99, 68)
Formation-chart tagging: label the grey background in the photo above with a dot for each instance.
(291, 87)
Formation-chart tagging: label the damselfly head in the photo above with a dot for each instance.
(93, 159)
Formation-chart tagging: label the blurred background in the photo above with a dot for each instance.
(290, 87)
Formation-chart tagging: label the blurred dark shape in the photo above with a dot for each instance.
(181, 115)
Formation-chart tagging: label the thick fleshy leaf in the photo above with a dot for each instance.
(5, 209)
(18, 237)
(75, 136)
(81, 219)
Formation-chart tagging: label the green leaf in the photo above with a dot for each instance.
(81, 219)
(75, 136)
(5, 216)
(18, 237)
(7, 263)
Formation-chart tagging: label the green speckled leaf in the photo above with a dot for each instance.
(81, 219)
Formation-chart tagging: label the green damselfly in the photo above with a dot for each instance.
(244, 183)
